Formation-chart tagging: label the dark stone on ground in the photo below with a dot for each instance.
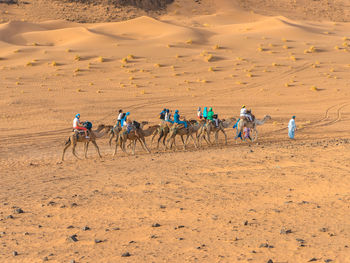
(313, 259)
(126, 254)
(14, 253)
(45, 259)
(72, 238)
(156, 225)
(18, 211)
(285, 232)
(270, 261)
(85, 228)
(98, 241)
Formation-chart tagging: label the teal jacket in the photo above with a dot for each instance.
(210, 115)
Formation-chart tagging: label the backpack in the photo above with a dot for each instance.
(87, 125)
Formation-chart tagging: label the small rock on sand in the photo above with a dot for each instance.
(72, 238)
(18, 211)
(126, 254)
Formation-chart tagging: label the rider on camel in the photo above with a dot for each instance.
(213, 117)
(177, 119)
(245, 114)
(78, 126)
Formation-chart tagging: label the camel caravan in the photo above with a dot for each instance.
(126, 133)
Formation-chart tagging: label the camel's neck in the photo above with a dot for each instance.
(99, 134)
(261, 122)
(228, 123)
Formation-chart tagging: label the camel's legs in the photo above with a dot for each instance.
(205, 138)
(111, 136)
(86, 146)
(161, 134)
(97, 149)
(116, 144)
(154, 135)
(223, 131)
(208, 134)
(133, 148)
(144, 145)
(254, 135)
(68, 143)
(122, 145)
(217, 137)
(74, 144)
(183, 142)
(194, 141)
(165, 136)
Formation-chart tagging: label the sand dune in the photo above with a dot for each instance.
(274, 200)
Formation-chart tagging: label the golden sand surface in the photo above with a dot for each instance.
(274, 199)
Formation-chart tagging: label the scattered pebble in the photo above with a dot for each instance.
(72, 238)
(18, 211)
(126, 254)
(156, 225)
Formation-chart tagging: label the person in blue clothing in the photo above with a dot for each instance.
(177, 119)
(124, 119)
(162, 114)
(238, 135)
(205, 113)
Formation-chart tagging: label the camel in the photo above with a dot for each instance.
(210, 127)
(146, 133)
(178, 129)
(162, 131)
(115, 132)
(76, 137)
(252, 125)
(133, 136)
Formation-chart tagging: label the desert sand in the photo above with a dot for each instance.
(274, 199)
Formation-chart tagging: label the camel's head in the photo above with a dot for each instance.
(267, 117)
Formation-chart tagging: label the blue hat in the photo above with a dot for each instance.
(128, 113)
(77, 115)
(176, 111)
